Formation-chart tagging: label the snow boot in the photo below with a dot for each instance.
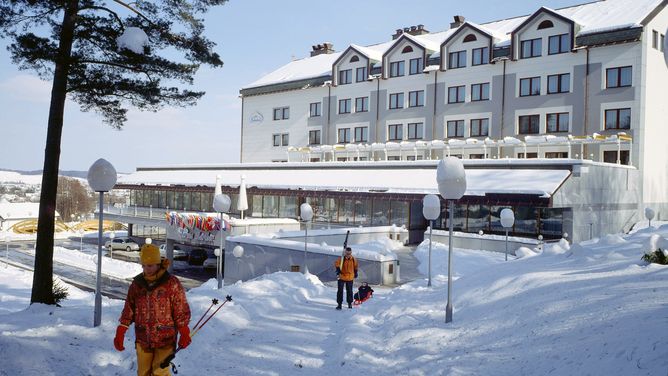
(338, 307)
(350, 305)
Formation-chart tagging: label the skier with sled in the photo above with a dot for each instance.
(346, 270)
(156, 303)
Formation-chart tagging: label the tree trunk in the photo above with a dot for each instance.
(42, 284)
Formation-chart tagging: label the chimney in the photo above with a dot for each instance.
(459, 20)
(324, 48)
(412, 30)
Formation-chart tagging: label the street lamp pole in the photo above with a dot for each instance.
(112, 236)
(221, 204)
(507, 221)
(451, 180)
(101, 178)
(431, 209)
(306, 213)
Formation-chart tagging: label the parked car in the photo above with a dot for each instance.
(122, 244)
(211, 262)
(179, 253)
(197, 256)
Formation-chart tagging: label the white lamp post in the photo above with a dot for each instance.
(81, 232)
(431, 209)
(238, 251)
(7, 247)
(112, 236)
(507, 221)
(451, 179)
(480, 233)
(306, 213)
(101, 178)
(221, 204)
(540, 242)
(649, 214)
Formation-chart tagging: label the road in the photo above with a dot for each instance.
(17, 254)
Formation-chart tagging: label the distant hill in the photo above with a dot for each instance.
(72, 174)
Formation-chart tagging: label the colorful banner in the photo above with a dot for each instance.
(203, 223)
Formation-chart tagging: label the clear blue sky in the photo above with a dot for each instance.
(254, 37)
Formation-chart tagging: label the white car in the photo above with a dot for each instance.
(179, 253)
(122, 244)
(210, 263)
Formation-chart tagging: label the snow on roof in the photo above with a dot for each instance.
(402, 178)
(592, 17)
(371, 53)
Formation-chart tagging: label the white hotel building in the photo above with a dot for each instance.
(560, 114)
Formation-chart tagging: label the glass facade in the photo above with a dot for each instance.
(371, 210)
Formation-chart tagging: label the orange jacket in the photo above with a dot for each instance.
(349, 268)
(157, 310)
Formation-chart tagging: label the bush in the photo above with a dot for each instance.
(656, 257)
(60, 292)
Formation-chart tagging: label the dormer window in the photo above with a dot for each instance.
(470, 38)
(397, 69)
(558, 44)
(345, 76)
(480, 56)
(531, 48)
(354, 59)
(407, 49)
(457, 59)
(415, 66)
(545, 25)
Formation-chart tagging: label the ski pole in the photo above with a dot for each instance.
(196, 329)
(213, 303)
(168, 360)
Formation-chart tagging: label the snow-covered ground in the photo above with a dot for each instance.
(591, 309)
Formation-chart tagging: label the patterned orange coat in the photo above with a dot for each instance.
(157, 310)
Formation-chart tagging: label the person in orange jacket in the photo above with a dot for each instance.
(346, 272)
(156, 303)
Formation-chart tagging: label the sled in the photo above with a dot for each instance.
(357, 302)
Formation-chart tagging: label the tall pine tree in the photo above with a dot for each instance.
(74, 44)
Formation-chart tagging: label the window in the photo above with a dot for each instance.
(557, 122)
(529, 124)
(480, 56)
(314, 137)
(559, 83)
(531, 48)
(480, 92)
(455, 128)
(556, 154)
(395, 132)
(314, 110)
(529, 155)
(545, 25)
(655, 39)
(360, 75)
(345, 76)
(361, 134)
(282, 113)
(415, 66)
(457, 59)
(470, 38)
(344, 106)
(618, 77)
(529, 86)
(479, 127)
(354, 59)
(558, 44)
(362, 104)
(416, 98)
(396, 100)
(619, 118)
(344, 135)
(456, 94)
(415, 131)
(407, 49)
(397, 69)
(610, 156)
(281, 139)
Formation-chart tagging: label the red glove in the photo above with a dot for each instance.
(120, 336)
(184, 337)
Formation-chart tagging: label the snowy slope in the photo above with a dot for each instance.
(593, 309)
